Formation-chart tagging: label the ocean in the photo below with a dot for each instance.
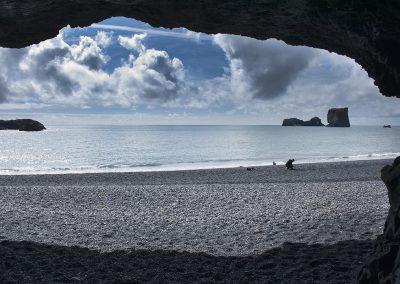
(111, 148)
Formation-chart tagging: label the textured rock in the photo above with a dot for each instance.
(21, 125)
(338, 117)
(384, 266)
(365, 30)
(315, 121)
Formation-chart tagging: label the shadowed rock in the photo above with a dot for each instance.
(21, 125)
(338, 117)
(384, 266)
(315, 121)
(28, 262)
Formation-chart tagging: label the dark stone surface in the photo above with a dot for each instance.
(338, 117)
(384, 265)
(21, 125)
(365, 30)
(28, 262)
(315, 121)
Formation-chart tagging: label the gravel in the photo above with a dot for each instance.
(225, 215)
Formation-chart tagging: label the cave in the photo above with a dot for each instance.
(366, 30)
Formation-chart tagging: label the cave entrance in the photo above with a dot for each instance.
(105, 72)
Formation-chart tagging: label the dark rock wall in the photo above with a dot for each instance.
(366, 30)
(384, 265)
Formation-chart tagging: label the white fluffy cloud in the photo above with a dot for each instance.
(103, 38)
(134, 43)
(54, 72)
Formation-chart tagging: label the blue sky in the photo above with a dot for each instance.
(128, 71)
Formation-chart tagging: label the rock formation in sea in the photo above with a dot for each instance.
(384, 265)
(315, 121)
(21, 125)
(338, 117)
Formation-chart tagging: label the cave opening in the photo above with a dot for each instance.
(86, 59)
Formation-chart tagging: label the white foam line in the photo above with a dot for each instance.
(197, 166)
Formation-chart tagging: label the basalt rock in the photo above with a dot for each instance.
(338, 117)
(384, 266)
(315, 121)
(365, 30)
(21, 125)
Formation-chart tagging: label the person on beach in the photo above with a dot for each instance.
(289, 164)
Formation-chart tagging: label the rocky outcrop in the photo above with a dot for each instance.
(384, 266)
(315, 121)
(365, 30)
(21, 125)
(338, 117)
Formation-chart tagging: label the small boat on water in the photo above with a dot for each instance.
(387, 126)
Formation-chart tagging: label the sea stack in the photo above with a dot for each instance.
(21, 125)
(315, 121)
(338, 117)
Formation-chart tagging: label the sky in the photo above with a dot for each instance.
(124, 71)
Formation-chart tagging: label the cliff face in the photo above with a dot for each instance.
(315, 121)
(365, 30)
(21, 125)
(384, 266)
(338, 117)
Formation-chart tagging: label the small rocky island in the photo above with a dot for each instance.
(315, 121)
(338, 117)
(21, 125)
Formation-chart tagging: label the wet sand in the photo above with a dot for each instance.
(321, 216)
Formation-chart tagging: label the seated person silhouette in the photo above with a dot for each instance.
(289, 164)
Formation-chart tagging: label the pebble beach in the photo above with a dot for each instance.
(227, 223)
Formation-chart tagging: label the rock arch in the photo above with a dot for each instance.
(365, 30)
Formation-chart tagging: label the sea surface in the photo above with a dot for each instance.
(111, 148)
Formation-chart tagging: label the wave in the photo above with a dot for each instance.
(194, 165)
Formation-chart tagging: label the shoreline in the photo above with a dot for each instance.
(190, 167)
(361, 170)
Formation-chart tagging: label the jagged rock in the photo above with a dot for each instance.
(315, 121)
(365, 30)
(384, 266)
(21, 125)
(338, 117)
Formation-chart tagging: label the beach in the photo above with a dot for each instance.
(313, 224)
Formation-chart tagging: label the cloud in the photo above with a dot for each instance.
(88, 52)
(4, 91)
(179, 33)
(267, 78)
(263, 69)
(133, 43)
(103, 38)
(54, 72)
